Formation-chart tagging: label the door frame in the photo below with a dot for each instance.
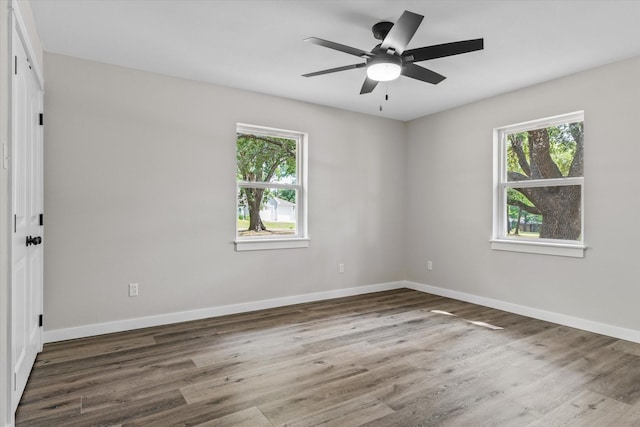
(16, 26)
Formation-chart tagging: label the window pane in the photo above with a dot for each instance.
(264, 158)
(545, 212)
(267, 212)
(545, 153)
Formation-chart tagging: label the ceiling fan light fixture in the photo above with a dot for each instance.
(384, 68)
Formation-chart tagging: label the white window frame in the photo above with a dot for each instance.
(301, 238)
(500, 240)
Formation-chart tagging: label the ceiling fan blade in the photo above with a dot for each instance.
(442, 50)
(335, 70)
(368, 86)
(402, 32)
(419, 73)
(339, 47)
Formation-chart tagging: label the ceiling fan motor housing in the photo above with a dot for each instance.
(381, 29)
(384, 58)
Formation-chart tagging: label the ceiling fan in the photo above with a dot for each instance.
(389, 59)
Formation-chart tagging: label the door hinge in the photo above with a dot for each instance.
(41, 219)
(41, 119)
(40, 320)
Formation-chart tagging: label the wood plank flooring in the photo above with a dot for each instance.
(397, 358)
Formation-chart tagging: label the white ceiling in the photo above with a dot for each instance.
(257, 45)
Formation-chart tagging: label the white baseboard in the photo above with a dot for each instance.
(536, 313)
(184, 316)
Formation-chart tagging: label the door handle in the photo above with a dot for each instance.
(33, 240)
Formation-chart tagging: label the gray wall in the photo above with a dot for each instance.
(449, 164)
(140, 187)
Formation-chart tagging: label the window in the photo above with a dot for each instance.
(538, 186)
(271, 193)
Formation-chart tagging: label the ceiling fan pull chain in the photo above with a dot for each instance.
(386, 94)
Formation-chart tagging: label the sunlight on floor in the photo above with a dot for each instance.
(473, 322)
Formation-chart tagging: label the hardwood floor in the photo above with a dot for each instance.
(397, 358)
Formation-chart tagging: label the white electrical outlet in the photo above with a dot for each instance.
(429, 265)
(133, 289)
(340, 268)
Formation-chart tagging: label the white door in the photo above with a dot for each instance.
(27, 204)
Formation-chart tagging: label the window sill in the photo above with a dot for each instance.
(543, 248)
(268, 244)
